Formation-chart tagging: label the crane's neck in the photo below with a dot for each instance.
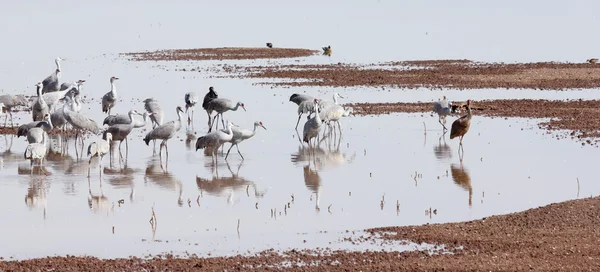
(113, 88)
(236, 107)
(57, 61)
(179, 117)
(335, 101)
(317, 116)
(39, 91)
(229, 132)
(130, 114)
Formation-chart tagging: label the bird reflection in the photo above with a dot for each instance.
(36, 195)
(98, 203)
(164, 179)
(442, 150)
(226, 185)
(8, 156)
(461, 177)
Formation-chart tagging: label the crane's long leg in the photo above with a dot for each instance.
(299, 116)
(101, 164)
(90, 165)
(11, 119)
(228, 151)
(238, 150)
(31, 166)
(222, 120)
(209, 119)
(440, 120)
(167, 150)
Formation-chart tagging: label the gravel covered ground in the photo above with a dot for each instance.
(581, 117)
(225, 53)
(456, 74)
(557, 237)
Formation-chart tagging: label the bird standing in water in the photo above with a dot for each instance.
(327, 50)
(460, 126)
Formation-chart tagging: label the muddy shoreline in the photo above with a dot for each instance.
(557, 237)
(452, 74)
(580, 117)
(224, 53)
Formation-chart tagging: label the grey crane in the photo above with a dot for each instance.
(313, 125)
(36, 134)
(157, 115)
(80, 122)
(221, 105)
(207, 98)
(299, 98)
(110, 99)
(51, 82)
(121, 131)
(52, 98)
(99, 149)
(442, 108)
(36, 151)
(24, 129)
(165, 132)
(240, 134)
(40, 107)
(68, 85)
(215, 139)
(58, 116)
(122, 119)
(10, 101)
(191, 99)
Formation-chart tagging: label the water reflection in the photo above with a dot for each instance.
(155, 174)
(462, 178)
(98, 203)
(8, 156)
(220, 186)
(35, 199)
(442, 150)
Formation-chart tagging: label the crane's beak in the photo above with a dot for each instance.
(340, 96)
(263, 127)
(244, 108)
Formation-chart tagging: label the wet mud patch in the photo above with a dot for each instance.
(581, 117)
(555, 237)
(455, 74)
(224, 53)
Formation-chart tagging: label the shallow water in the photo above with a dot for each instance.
(509, 165)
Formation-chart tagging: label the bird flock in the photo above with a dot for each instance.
(57, 106)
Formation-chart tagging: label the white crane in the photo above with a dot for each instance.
(312, 126)
(214, 140)
(207, 98)
(240, 134)
(40, 107)
(52, 98)
(191, 99)
(36, 151)
(442, 108)
(165, 132)
(99, 149)
(51, 82)
(37, 133)
(221, 105)
(110, 99)
(157, 115)
(10, 101)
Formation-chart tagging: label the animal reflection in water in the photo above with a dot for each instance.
(317, 159)
(35, 199)
(461, 177)
(220, 186)
(98, 203)
(442, 150)
(155, 174)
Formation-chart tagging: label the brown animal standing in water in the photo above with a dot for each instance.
(460, 126)
(592, 61)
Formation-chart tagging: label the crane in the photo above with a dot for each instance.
(58, 116)
(110, 99)
(333, 114)
(327, 50)
(207, 98)
(165, 132)
(79, 122)
(240, 135)
(24, 129)
(298, 98)
(221, 105)
(157, 115)
(313, 125)
(68, 85)
(36, 152)
(123, 119)
(10, 101)
(190, 102)
(99, 149)
(51, 82)
(40, 107)
(52, 98)
(442, 108)
(460, 126)
(215, 139)
(36, 134)
(119, 132)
